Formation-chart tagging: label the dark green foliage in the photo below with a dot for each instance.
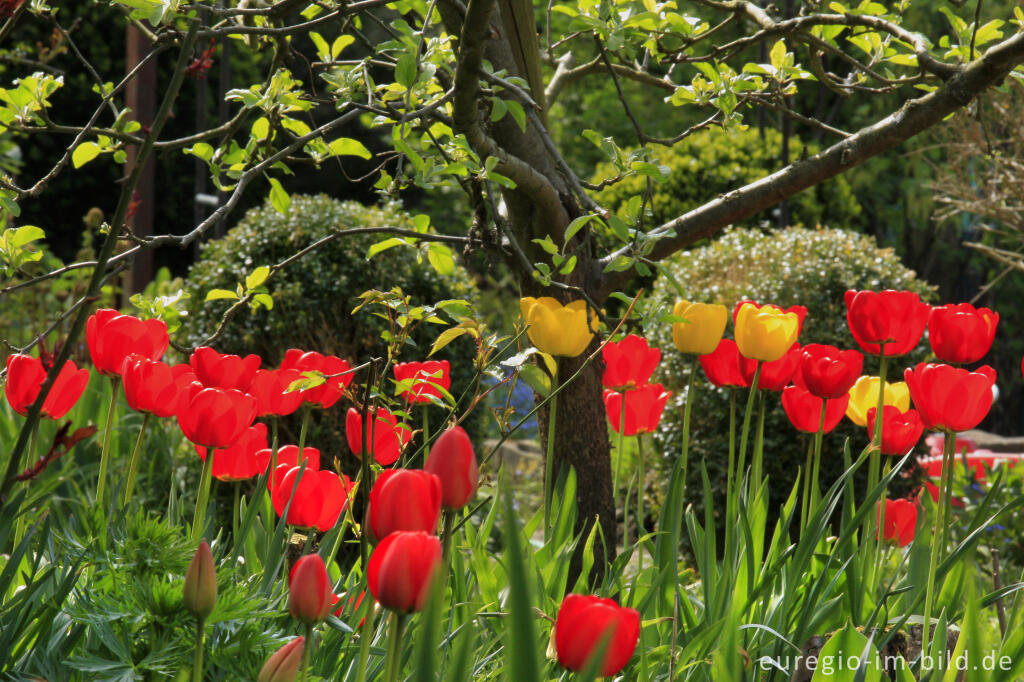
(801, 266)
(712, 162)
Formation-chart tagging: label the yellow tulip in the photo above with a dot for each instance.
(703, 328)
(765, 333)
(864, 396)
(556, 329)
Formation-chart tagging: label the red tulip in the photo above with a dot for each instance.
(585, 621)
(154, 387)
(404, 499)
(283, 665)
(421, 380)
(775, 375)
(309, 590)
(287, 454)
(950, 398)
(900, 521)
(241, 460)
(319, 496)
(828, 372)
(25, 376)
(644, 407)
(402, 568)
(961, 333)
(799, 310)
(270, 388)
(724, 367)
(628, 363)
(900, 430)
(387, 440)
(329, 392)
(977, 462)
(452, 460)
(897, 318)
(215, 370)
(804, 409)
(216, 417)
(112, 337)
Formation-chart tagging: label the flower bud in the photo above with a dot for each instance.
(452, 460)
(309, 590)
(283, 666)
(201, 583)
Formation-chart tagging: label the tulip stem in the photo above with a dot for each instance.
(308, 646)
(203, 498)
(948, 445)
(448, 516)
(366, 434)
(366, 634)
(302, 432)
(815, 480)
(426, 431)
(757, 460)
(133, 466)
(622, 451)
(805, 502)
(639, 501)
(101, 486)
(197, 662)
(730, 481)
(395, 647)
(549, 461)
(740, 470)
(686, 427)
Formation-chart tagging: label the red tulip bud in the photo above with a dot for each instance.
(283, 666)
(404, 499)
(309, 590)
(201, 583)
(452, 460)
(401, 569)
(584, 622)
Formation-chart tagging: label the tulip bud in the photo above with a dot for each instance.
(452, 460)
(283, 666)
(309, 590)
(201, 583)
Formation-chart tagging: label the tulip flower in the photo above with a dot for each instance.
(556, 329)
(240, 460)
(585, 621)
(703, 327)
(404, 499)
(420, 381)
(798, 310)
(452, 460)
(864, 396)
(900, 430)
(387, 440)
(828, 372)
(309, 590)
(317, 497)
(628, 363)
(804, 409)
(287, 454)
(329, 392)
(283, 666)
(900, 521)
(155, 388)
(950, 398)
(895, 318)
(644, 407)
(215, 370)
(775, 376)
(216, 417)
(200, 593)
(724, 366)
(402, 568)
(112, 337)
(270, 388)
(25, 376)
(765, 333)
(961, 333)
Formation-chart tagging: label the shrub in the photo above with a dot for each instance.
(801, 266)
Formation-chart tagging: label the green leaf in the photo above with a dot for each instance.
(346, 146)
(339, 44)
(536, 379)
(446, 337)
(216, 294)
(440, 257)
(383, 246)
(257, 277)
(84, 153)
(575, 226)
(322, 49)
(498, 109)
(849, 645)
(778, 55)
(516, 109)
(279, 198)
(521, 647)
(25, 234)
(264, 300)
(202, 150)
(405, 70)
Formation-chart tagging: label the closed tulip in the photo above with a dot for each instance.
(200, 594)
(798, 310)
(270, 388)
(453, 461)
(765, 333)
(864, 396)
(329, 392)
(628, 363)
(776, 375)
(961, 333)
(25, 376)
(556, 329)
(309, 590)
(240, 460)
(644, 407)
(317, 497)
(216, 370)
(896, 318)
(283, 665)
(216, 417)
(112, 337)
(404, 499)
(950, 398)
(584, 622)
(828, 372)
(287, 454)
(725, 366)
(901, 431)
(900, 521)
(402, 568)
(387, 440)
(703, 327)
(154, 387)
(804, 410)
(422, 380)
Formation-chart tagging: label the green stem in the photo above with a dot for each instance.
(621, 453)
(133, 466)
(303, 430)
(640, 489)
(686, 424)
(805, 499)
(730, 482)
(203, 498)
(101, 486)
(448, 517)
(746, 425)
(394, 663)
(758, 455)
(549, 461)
(364, 643)
(426, 431)
(818, 436)
(873, 533)
(21, 526)
(197, 662)
(307, 647)
(235, 511)
(937, 534)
